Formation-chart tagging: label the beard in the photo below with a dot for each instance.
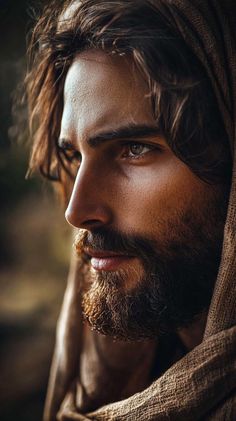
(175, 288)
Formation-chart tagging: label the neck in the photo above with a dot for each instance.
(192, 335)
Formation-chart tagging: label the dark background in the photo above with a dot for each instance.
(34, 242)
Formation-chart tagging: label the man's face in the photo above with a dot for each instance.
(152, 229)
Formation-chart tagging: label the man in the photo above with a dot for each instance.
(133, 109)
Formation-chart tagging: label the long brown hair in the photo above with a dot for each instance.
(183, 102)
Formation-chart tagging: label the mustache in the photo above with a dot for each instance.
(104, 239)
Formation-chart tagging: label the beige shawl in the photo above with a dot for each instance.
(88, 371)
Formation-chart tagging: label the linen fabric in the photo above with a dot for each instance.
(202, 384)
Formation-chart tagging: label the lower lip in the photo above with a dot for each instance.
(109, 263)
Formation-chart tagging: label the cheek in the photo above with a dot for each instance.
(151, 199)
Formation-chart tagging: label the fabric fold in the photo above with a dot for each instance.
(201, 385)
(190, 390)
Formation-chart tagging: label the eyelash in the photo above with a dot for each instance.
(72, 155)
(139, 144)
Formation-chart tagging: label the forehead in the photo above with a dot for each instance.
(101, 92)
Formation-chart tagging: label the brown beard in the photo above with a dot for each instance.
(176, 288)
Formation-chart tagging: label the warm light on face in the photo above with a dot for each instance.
(127, 177)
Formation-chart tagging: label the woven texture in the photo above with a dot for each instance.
(202, 384)
(187, 391)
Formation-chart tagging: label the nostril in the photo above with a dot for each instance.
(91, 223)
(81, 213)
(76, 219)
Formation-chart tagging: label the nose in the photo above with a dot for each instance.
(88, 206)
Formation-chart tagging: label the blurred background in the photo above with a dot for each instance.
(35, 243)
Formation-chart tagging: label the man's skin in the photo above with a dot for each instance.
(135, 184)
(143, 193)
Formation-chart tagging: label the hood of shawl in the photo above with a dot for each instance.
(212, 38)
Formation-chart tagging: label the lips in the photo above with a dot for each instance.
(106, 260)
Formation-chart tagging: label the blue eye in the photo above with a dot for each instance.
(136, 150)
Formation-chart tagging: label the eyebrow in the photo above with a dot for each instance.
(131, 131)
